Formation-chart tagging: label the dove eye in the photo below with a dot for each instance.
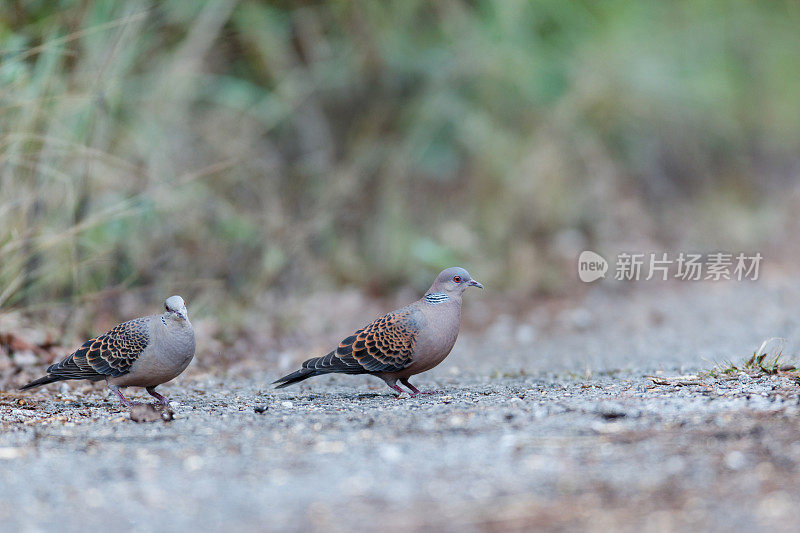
(457, 279)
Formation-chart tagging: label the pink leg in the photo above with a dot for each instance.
(414, 390)
(395, 387)
(157, 396)
(392, 382)
(126, 402)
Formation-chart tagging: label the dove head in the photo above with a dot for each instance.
(175, 308)
(453, 280)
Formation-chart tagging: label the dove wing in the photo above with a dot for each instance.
(110, 354)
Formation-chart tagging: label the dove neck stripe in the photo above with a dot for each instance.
(436, 297)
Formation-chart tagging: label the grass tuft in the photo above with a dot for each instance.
(768, 359)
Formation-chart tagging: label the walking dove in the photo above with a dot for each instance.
(402, 343)
(143, 352)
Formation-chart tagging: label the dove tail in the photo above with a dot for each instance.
(318, 366)
(296, 377)
(42, 381)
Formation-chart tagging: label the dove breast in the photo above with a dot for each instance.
(438, 331)
(171, 349)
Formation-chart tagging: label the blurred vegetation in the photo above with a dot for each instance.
(234, 147)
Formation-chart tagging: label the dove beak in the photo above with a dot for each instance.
(473, 283)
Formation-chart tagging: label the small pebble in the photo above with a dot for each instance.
(261, 409)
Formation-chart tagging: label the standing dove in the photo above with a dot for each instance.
(143, 352)
(402, 343)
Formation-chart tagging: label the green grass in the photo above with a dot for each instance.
(769, 361)
(223, 149)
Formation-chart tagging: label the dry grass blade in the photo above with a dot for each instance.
(53, 44)
(375, 146)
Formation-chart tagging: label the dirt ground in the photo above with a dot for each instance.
(593, 415)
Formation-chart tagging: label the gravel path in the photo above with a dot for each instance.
(591, 416)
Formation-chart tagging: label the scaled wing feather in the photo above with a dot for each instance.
(385, 345)
(110, 354)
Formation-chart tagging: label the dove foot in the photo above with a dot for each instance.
(162, 402)
(126, 402)
(414, 390)
(152, 392)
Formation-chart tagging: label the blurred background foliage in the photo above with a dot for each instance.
(232, 148)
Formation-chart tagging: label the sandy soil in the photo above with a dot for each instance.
(592, 415)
